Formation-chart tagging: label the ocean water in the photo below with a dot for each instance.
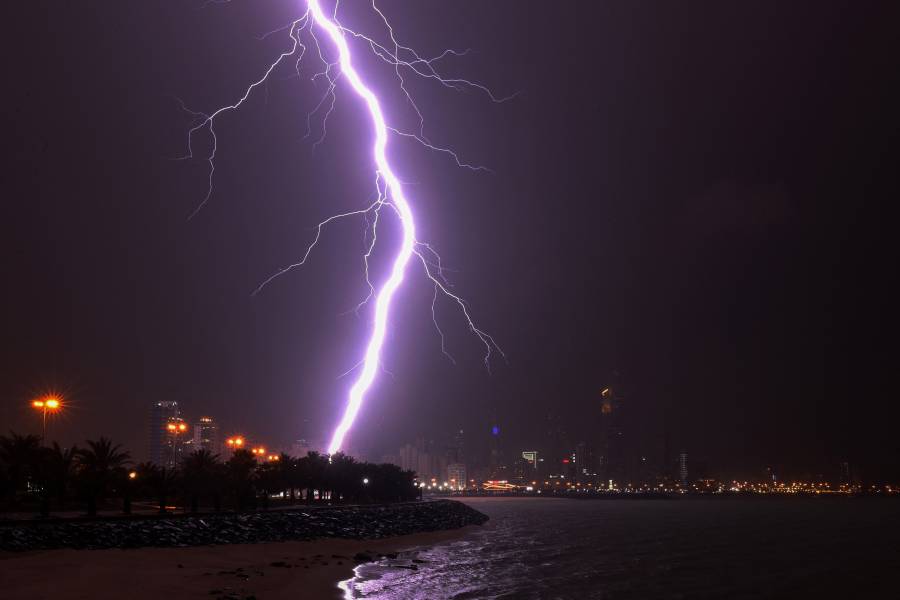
(760, 547)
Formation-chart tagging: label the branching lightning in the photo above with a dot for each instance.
(304, 43)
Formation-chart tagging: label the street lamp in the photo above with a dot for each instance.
(235, 443)
(50, 403)
(175, 427)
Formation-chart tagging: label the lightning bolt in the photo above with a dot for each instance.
(389, 188)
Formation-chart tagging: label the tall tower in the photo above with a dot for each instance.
(497, 468)
(611, 459)
(157, 433)
(458, 451)
(206, 435)
(683, 468)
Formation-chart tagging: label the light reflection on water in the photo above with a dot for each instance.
(686, 548)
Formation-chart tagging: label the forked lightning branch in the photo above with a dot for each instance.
(319, 37)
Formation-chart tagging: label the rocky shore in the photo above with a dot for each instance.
(352, 522)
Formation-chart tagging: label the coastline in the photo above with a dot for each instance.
(270, 570)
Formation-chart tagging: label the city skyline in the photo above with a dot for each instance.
(724, 262)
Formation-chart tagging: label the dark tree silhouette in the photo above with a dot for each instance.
(201, 477)
(240, 472)
(286, 467)
(98, 471)
(19, 456)
(314, 468)
(99, 464)
(344, 478)
(158, 482)
(61, 469)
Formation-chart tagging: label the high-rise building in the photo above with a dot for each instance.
(456, 476)
(157, 433)
(585, 464)
(177, 444)
(424, 467)
(458, 450)
(409, 458)
(423, 461)
(497, 466)
(300, 448)
(845, 475)
(206, 436)
(611, 458)
(683, 467)
(525, 468)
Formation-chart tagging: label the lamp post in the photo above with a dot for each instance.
(126, 500)
(50, 403)
(235, 443)
(175, 427)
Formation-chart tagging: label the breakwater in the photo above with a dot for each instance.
(351, 522)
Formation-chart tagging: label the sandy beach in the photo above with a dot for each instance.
(267, 571)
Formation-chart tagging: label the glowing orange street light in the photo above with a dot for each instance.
(50, 403)
(176, 426)
(132, 475)
(235, 442)
(259, 451)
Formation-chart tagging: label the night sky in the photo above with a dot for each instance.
(689, 194)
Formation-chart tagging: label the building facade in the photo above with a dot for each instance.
(683, 467)
(157, 432)
(456, 476)
(207, 436)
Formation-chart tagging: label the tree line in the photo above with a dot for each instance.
(101, 474)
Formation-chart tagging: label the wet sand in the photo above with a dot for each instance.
(266, 571)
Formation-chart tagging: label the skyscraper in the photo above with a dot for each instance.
(301, 448)
(498, 468)
(456, 476)
(206, 435)
(611, 459)
(458, 450)
(683, 467)
(585, 463)
(157, 432)
(177, 444)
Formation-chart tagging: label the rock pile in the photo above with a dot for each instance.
(354, 522)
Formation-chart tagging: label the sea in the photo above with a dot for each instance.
(697, 547)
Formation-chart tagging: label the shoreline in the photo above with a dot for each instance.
(356, 522)
(270, 570)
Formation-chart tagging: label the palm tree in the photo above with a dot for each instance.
(390, 483)
(201, 470)
(240, 473)
(159, 482)
(267, 481)
(19, 454)
(314, 470)
(98, 465)
(60, 465)
(286, 466)
(345, 477)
